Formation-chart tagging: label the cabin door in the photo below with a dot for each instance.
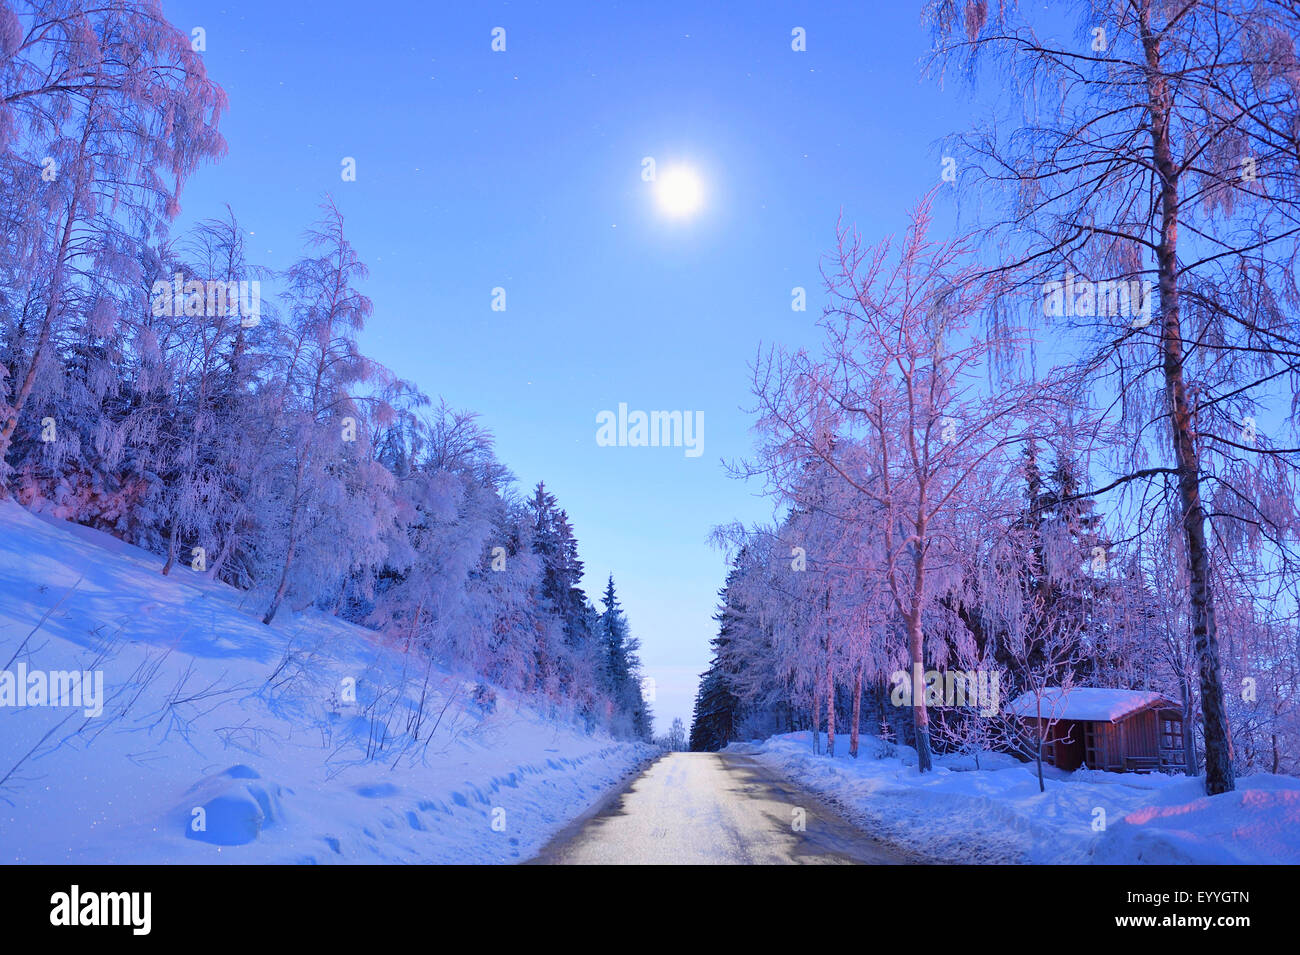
(1091, 758)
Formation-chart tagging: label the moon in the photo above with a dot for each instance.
(679, 192)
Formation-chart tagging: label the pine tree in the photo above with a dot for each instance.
(620, 667)
(717, 707)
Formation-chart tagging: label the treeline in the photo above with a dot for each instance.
(172, 392)
(1026, 582)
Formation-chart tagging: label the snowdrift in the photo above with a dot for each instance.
(996, 814)
(225, 741)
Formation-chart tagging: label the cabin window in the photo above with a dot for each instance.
(1171, 742)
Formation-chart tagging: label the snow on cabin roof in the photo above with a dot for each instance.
(1088, 703)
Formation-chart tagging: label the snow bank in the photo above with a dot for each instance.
(996, 814)
(222, 740)
(1259, 823)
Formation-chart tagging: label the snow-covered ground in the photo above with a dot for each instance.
(223, 740)
(997, 814)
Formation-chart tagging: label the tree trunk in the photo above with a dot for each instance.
(227, 547)
(171, 548)
(1041, 735)
(830, 711)
(817, 718)
(47, 328)
(283, 586)
(415, 624)
(1189, 735)
(291, 550)
(1218, 757)
(857, 713)
(920, 715)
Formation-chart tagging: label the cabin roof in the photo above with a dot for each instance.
(1088, 703)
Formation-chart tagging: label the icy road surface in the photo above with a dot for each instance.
(714, 809)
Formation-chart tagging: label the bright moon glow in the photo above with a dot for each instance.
(679, 192)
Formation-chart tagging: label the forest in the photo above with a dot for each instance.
(1050, 430)
(168, 389)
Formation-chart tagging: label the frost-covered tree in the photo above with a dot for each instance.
(105, 111)
(901, 378)
(321, 473)
(677, 735)
(171, 392)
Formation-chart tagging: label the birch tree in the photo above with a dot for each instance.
(317, 411)
(900, 376)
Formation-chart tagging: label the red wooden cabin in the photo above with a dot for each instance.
(1114, 730)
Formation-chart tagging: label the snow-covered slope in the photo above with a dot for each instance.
(958, 813)
(223, 740)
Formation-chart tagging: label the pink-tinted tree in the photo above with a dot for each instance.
(319, 371)
(901, 377)
(105, 110)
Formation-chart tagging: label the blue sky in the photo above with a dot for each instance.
(522, 170)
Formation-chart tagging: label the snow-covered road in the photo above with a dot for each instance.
(714, 808)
